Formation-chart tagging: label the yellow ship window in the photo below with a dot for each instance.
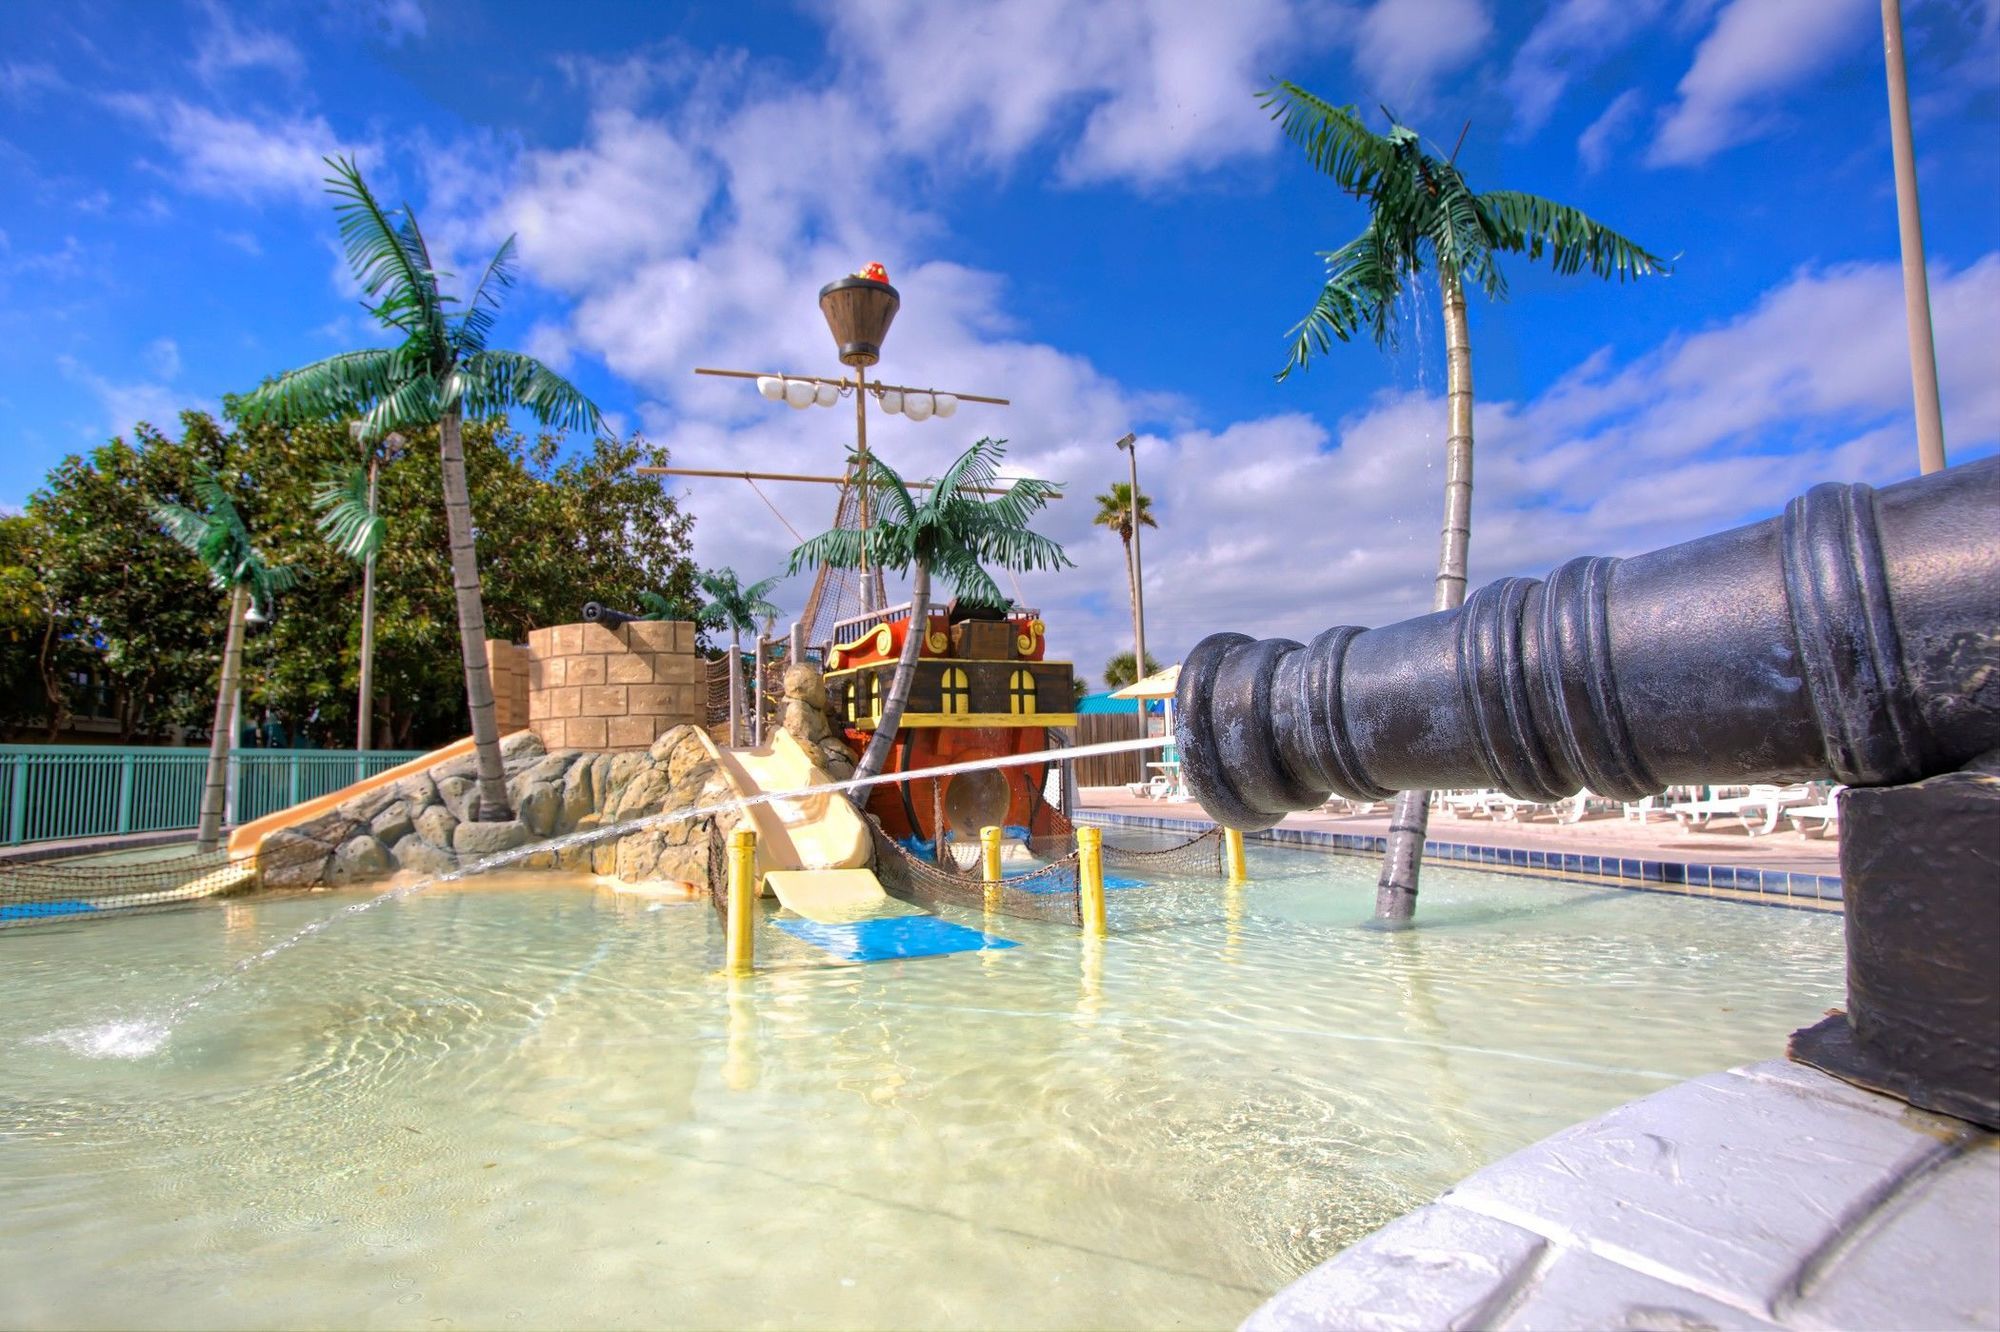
(1021, 694)
(954, 694)
(868, 697)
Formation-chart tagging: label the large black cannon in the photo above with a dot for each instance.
(596, 612)
(1854, 638)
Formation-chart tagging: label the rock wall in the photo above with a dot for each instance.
(809, 719)
(607, 689)
(429, 823)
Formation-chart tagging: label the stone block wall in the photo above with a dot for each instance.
(508, 665)
(601, 688)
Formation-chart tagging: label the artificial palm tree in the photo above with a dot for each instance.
(1115, 510)
(1420, 210)
(736, 608)
(441, 372)
(345, 502)
(216, 535)
(949, 532)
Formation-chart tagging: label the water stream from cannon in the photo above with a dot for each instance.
(133, 1037)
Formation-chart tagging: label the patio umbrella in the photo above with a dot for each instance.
(1160, 684)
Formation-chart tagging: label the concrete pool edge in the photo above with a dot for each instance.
(1771, 1195)
(1732, 883)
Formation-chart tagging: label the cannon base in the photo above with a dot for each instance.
(1920, 874)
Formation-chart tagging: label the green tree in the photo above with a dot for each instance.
(24, 597)
(736, 608)
(124, 609)
(1421, 212)
(352, 525)
(950, 532)
(441, 373)
(216, 536)
(1114, 512)
(1118, 670)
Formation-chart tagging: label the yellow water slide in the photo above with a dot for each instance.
(812, 851)
(247, 839)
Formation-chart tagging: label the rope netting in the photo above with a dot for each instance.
(46, 890)
(1046, 892)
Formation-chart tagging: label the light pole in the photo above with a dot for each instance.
(1910, 228)
(1131, 446)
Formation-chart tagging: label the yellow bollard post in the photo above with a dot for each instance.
(989, 863)
(1090, 880)
(1232, 855)
(740, 956)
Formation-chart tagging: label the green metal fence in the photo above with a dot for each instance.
(64, 791)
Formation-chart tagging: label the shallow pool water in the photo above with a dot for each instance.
(533, 1103)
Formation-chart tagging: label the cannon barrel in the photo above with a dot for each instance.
(596, 612)
(1855, 637)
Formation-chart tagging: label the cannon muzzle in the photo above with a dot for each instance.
(596, 612)
(1856, 637)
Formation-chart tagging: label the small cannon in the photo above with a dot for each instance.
(596, 612)
(1854, 638)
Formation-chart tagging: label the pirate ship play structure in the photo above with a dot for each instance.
(983, 687)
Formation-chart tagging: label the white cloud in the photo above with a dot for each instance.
(1757, 49)
(634, 192)
(1594, 145)
(163, 358)
(1152, 90)
(241, 158)
(1403, 47)
(124, 405)
(1572, 37)
(226, 48)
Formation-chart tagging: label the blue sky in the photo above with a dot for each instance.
(1085, 211)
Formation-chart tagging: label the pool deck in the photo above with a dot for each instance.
(1769, 1196)
(1780, 868)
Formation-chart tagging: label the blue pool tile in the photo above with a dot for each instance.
(892, 937)
(1650, 871)
(1628, 869)
(1537, 860)
(1697, 875)
(1589, 864)
(1829, 888)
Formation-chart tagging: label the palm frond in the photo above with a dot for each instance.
(382, 255)
(1574, 241)
(345, 520)
(902, 505)
(477, 322)
(490, 382)
(1027, 496)
(840, 548)
(973, 470)
(341, 385)
(183, 526)
(411, 403)
(1360, 293)
(1333, 137)
(968, 577)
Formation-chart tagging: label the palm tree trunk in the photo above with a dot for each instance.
(494, 805)
(208, 834)
(877, 754)
(1409, 820)
(364, 722)
(735, 687)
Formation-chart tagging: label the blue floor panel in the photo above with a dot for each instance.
(892, 937)
(44, 910)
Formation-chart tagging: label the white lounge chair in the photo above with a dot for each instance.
(1464, 804)
(1826, 813)
(1757, 809)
